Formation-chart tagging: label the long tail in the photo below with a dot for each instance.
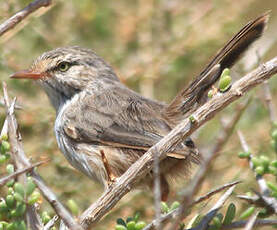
(195, 94)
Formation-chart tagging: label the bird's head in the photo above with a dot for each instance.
(63, 72)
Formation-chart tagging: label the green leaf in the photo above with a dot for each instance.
(265, 161)
(45, 217)
(137, 216)
(10, 168)
(5, 146)
(174, 205)
(3, 207)
(120, 227)
(20, 209)
(244, 155)
(10, 201)
(18, 197)
(272, 186)
(120, 221)
(164, 207)
(129, 219)
(30, 186)
(19, 188)
(256, 161)
(140, 225)
(247, 213)
(33, 198)
(131, 225)
(230, 214)
(260, 170)
(225, 72)
(73, 206)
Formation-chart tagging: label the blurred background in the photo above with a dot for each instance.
(156, 47)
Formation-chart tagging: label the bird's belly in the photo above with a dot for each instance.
(75, 156)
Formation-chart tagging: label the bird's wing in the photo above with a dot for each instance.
(118, 117)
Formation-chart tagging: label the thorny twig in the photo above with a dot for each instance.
(243, 223)
(195, 184)
(172, 214)
(269, 102)
(5, 179)
(32, 217)
(204, 223)
(20, 157)
(251, 221)
(265, 192)
(124, 183)
(19, 16)
(51, 223)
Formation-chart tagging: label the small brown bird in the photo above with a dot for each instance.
(102, 127)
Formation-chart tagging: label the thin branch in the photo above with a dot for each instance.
(2, 104)
(19, 16)
(51, 223)
(251, 222)
(204, 223)
(32, 217)
(228, 129)
(265, 196)
(141, 167)
(269, 102)
(5, 179)
(157, 192)
(261, 181)
(215, 191)
(195, 184)
(166, 217)
(22, 160)
(243, 223)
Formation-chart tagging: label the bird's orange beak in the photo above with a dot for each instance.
(27, 74)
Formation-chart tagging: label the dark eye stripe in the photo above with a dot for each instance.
(56, 67)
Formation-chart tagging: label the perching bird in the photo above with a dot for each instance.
(102, 127)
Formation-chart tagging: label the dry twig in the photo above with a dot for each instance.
(5, 179)
(251, 221)
(195, 184)
(22, 162)
(19, 16)
(243, 223)
(32, 217)
(172, 214)
(265, 192)
(204, 223)
(124, 184)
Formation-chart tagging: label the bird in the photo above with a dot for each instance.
(102, 127)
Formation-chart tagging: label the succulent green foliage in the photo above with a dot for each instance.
(131, 223)
(225, 80)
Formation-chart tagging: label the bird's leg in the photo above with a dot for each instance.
(111, 176)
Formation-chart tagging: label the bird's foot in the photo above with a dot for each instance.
(111, 177)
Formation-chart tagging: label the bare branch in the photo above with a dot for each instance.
(124, 184)
(22, 161)
(5, 179)
(204, 223)
(269, 102)
(251, 222)
(32, 217)
(172, 214)
(243, 223)
(51, 223)
(19, 16)
(265, 196)
(215, 191)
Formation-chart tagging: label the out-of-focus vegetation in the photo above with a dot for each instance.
(156, 48)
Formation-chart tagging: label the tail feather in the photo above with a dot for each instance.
(193, 96)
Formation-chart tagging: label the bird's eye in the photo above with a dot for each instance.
(63, 66)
